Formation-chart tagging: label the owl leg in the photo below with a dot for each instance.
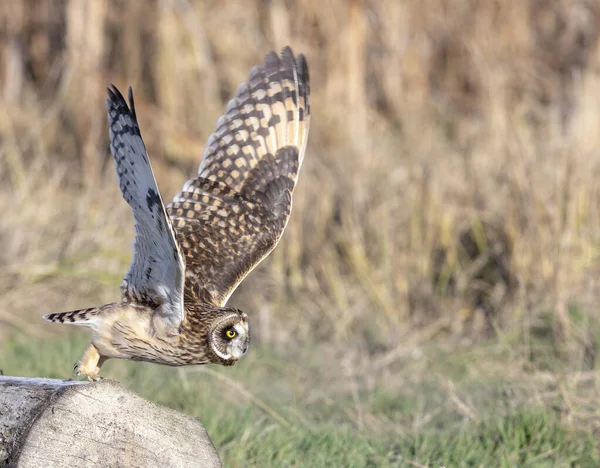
(90, 363)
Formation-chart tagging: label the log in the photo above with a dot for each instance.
(58, 423)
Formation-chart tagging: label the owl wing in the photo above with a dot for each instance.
(156, 273)
(230, 217)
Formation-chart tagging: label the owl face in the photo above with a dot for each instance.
(229, 336)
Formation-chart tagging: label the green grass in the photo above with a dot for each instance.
(276, 408)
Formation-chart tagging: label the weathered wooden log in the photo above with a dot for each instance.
(56, 423)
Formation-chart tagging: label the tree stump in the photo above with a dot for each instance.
(56, 423)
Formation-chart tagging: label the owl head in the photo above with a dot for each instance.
(229, 336)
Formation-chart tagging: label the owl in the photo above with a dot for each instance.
(189, 256)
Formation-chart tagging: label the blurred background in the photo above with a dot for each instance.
(439, 277)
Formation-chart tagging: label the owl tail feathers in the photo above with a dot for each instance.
(84, 317)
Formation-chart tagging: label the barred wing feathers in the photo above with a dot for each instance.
(233, 214)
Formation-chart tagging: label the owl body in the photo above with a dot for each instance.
(190, 255)
(123, 330)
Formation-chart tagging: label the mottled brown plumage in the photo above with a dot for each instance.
(190, 256)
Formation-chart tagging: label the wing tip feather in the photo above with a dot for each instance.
(131, 103)
(116, 100)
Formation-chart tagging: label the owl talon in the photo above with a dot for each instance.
(90, 363)
(91, 376)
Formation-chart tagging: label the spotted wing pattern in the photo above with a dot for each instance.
(233, 214)
(156, 273)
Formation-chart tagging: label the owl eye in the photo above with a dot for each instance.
(230, 333)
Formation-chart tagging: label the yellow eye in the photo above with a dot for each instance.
(230, 333)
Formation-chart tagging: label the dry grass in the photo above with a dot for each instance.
(431, 119)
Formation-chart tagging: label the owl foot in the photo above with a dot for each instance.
(89, 364)
(92, 376)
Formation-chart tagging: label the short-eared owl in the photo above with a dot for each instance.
(189, 256)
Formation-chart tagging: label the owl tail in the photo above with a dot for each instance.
(83, 317)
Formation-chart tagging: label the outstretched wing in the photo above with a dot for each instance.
(156, 273)
(233, 214)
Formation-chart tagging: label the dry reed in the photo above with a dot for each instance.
(431, 119)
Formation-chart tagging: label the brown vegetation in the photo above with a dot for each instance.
(436, 124)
